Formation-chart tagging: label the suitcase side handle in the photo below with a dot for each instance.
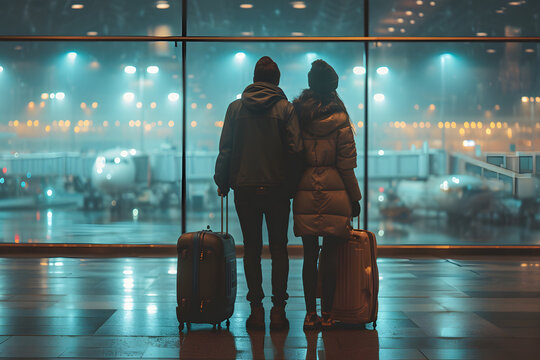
(226, 214)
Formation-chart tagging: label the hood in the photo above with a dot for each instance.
(261, 96)
(325, 125)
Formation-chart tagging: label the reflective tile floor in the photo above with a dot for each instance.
(485, 308)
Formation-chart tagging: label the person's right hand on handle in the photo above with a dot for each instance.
(355, 208)
(222, 193)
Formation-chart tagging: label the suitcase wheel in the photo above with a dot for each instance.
(181, 326)
(228, 324)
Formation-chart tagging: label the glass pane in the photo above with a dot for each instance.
(454, 18)
(92, 18)
(90, 142)
(439, 113)
(275, 18)
(218, 74)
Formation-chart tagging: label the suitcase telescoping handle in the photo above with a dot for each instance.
(226, 214)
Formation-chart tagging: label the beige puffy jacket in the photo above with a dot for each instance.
(322, 205)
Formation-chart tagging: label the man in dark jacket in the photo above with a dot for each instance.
(259, 141)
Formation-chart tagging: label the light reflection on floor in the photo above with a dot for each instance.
(485, 308)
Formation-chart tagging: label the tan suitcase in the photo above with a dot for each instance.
(357, 288)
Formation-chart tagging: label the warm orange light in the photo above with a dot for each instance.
(16, 123)
(466, 124)
(415, 124)
(171, 123)
(31, 105)
(86, 122)
(83, 105)
(36, 123)
(209, 106)
(488, 131)
(147, 127)
(447, 125)
(76, 129)
(462, 131)
(47, 128)
(432, 107)
(138, 123)
(453, 124)
(193, 105)
(153, 105)
(473, 125)
(29, 123)
(360, 124)
(440, 125)
(138, 105)
(105, 123)
(42, 104)
(44, 96)
(421, 124)
(193, 124)
(479, 125)
(131, 123)
(94, 105)
(428, 124)
(67, 123)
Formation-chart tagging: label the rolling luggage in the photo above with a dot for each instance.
(206, 277)
(357, 287)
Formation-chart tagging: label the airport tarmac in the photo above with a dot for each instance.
(152, 226)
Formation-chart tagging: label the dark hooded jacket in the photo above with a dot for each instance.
(322, 205)
(259, 141)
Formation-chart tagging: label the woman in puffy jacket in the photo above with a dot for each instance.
(328, 193)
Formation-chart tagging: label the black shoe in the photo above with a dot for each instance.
(255, 320)
(278, 320)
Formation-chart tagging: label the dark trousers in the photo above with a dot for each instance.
(274, 204)
(328, 271)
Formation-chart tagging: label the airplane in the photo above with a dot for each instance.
(459, 196)
(124, 177)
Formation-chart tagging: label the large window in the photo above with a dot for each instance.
(91, 132)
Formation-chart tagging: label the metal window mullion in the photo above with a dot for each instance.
(366, 117)
(184, 120)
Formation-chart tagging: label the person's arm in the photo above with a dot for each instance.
(292, 130)
(346, 162)
(223, 162)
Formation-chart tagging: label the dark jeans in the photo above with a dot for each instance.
(328, 271)
(274, 204)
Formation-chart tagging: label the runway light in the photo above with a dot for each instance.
(94, 105)
(359, 70)
(383, 70)
(123, 153)
(194, 105)
(49, 192)
(193, 124)
(152, 69)
(524, 99)
(77, 6)
(246, 6)
(1, 69)
(153, 105)
(171, 123)
(163, 5)
(135, 212)
(133, 152)
(72, 55)
(298, 5)
(380, 152)
(44, 96)
(130, 69)
(138, 105)
(173, 97)
(378, 97)
(128, 97)
(209, 106)
(469, 143)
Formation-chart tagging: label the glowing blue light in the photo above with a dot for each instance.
(130, 69)
(23, 184)
(359, 70)
(311, 56)
(72, 55)
(383, 70)
(29, 175)
(49, 192)
(152, 69)
(239, 57)
(2, 180)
